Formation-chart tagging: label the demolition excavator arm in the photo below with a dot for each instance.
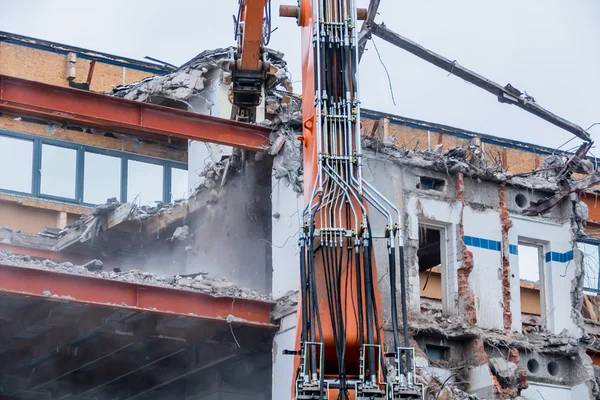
(340, 350)
(252, 32)
(340, 339)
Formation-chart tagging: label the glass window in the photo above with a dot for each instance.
(529, 262)
(179, 184)
(101, 178)
(16, 162)
(59, 166)
(592, 266)
(144, 180)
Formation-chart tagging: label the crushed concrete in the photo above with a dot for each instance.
(189, 80)
(456, 327)
(199, 283)
(454, 162)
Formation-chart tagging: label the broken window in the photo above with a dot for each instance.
(144, 181)
(591, 258)
(59, 171)
(427, 183)
(179, 184)
(430, 262)
(435, 352)
(102, 178)
(16, 163)
(531, 262)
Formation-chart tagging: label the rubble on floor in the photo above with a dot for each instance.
(457, 327)
(198, 282)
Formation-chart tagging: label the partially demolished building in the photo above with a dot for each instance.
(126, 268)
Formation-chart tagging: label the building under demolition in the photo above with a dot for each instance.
(126, 270)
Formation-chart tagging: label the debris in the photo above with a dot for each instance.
(505, 371)
(206, 285)
(94, 265)
(181, 233)
(103, 209)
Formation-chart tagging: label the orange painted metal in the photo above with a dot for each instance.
(109, 113)
(111, 293)
(253, 34)
(349, 292)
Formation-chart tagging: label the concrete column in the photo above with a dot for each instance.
(212, 101)
(287, 207)
(283, 365)
(558, 275)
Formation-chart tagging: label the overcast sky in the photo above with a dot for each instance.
(549, 48)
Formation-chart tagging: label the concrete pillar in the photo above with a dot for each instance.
(212, 101)
(287, 207)
(283, 365)
(557, 276)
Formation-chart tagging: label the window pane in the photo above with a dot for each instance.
(59, 166)
(145, 180)
(591, 263)
(529, 263)
(179, 184)
(16, 158)
(101, 178)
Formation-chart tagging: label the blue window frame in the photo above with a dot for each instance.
(75, 171)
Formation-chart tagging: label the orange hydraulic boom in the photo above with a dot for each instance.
(340, 337)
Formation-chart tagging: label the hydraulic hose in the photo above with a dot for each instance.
(303, 288)
(375, 313)
(369, 306)
(392, 269)
(359, 299)
(403, 302)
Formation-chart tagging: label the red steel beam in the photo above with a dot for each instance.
(82, 107)
(115, 294)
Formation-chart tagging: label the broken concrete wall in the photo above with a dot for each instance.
(482, 225)
(212, 100)
(232, 236)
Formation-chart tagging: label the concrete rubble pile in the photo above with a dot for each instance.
(286, 123)
(555, 176)
(189, 80)
(198, 282)
(456, 160)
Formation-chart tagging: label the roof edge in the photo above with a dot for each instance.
(463, 133)
(84, 53)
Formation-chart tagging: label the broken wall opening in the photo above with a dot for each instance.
(433, 265)
(531, 270)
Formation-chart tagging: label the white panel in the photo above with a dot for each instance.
(283, 365)
(288, 206)
(539, 391)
